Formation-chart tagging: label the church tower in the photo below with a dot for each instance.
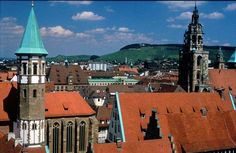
(219, 64)
(193, 60)
(31, 83)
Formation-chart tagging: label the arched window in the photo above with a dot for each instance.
(69, 138)
(199, 60)
(55, 146)
(35, 68)
(24, 126)
(199, 39)
(34, 126)
(82, 136)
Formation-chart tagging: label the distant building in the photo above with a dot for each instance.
(220, 64)
(99, 66)
(67, 77)
(193, 59)
(103, 117)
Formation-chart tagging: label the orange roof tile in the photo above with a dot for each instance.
(3, 76)
(66, 104)
(196, 133)
(55, 103)
(223, 78)
(147, 146)
(178, 113)
(8, 101)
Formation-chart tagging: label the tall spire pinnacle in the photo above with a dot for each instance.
(32, 3)
(31, 42)
(195, 15)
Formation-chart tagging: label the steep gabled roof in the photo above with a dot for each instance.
(223, 78)
(31, 42)
(66, 104)
(180, 115)
(149, 146)
(59, 73)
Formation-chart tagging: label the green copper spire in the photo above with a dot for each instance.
(232, 58)
(32, 42)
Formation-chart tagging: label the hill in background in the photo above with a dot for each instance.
(142, 52)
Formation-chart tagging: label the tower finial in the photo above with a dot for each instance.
(32, 3)
(195, 5)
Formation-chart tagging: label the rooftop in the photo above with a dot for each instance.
(66, 104)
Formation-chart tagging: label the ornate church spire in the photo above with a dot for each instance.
(195, 15)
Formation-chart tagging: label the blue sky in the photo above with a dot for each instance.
(94, 27)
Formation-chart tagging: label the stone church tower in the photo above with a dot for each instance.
(31, 83)
(219, 64)
(193, 60)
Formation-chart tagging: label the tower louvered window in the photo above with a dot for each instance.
(82, 136)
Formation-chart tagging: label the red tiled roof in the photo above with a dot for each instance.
(223, 78)
(7, 75)
(8, 100)
(104, 74)
(127, 69)
(9, 146)
(66, 104)
(55, 103)
(196, 133)
(3, 76)
(35, 150)
(104, 113)
(176, 112)
(147, 146)
(59, 73)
